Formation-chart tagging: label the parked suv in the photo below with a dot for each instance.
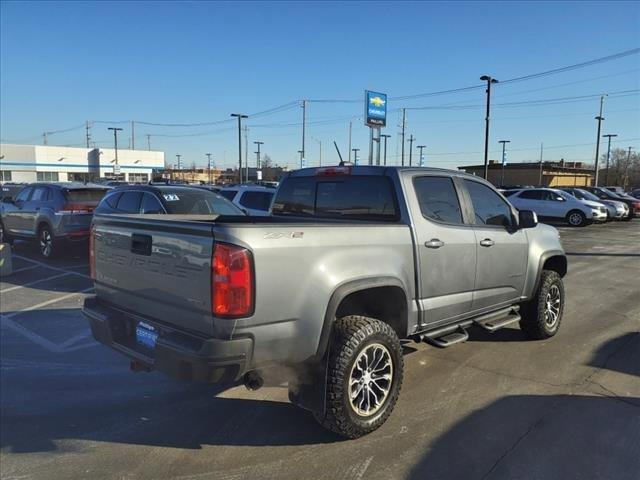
(615, 209)
(632, 203)
(254, 199)
(49, 213)
(556, 204)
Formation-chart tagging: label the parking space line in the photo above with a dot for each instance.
(17, 287)
(50, 267)
(43, 304)
(24, 269)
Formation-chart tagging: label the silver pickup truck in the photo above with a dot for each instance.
(351, 260)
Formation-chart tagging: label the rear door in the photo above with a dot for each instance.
(39, 200)
(446, 248)
(14, 217)
(501, 248)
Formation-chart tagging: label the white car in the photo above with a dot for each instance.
(253, 199)
(556, 204)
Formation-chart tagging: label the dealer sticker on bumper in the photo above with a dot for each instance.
(146, 335)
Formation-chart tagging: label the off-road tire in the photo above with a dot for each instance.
(351, 336)
(534, 313)
(572, 215)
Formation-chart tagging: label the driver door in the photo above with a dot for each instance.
(14, 213)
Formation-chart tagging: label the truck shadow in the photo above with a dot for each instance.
(620, 354)
(538, 436)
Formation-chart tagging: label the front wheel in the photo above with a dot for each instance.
(364, 376)
(576, 218)
(45, 242)
(541, 316)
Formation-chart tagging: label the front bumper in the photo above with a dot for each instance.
(599, 216)
(179, 354)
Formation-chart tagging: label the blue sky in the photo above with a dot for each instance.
(64, 63)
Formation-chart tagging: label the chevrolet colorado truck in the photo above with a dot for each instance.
(351, 260)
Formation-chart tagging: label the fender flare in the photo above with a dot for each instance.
(541, 261)
(344, 290)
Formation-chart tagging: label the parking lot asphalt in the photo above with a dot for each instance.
(497, 406)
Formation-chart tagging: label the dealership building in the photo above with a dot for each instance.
(49, 163)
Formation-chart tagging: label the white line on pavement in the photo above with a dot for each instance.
(50, 267)
(17, 287)
(43, 304)
(25, 269)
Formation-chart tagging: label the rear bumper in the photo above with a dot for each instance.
(179, 354)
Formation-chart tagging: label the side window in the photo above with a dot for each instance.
(531, 195)
(40, 194)
(489, 208)
(150, 204)
(24, 194)
(438, 199)
(228, 194)
(130, 202)
(256, 200)
(112, 199)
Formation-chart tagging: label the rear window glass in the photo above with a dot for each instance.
(228, 194)
(348, 197)
(112, 200)
(85, 195)
(256, 200)
(198, 202)
(438, 199)
(130, 202)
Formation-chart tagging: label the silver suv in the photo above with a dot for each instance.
(49, 213)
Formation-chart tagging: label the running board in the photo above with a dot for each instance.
(447, 339)
(497, 320)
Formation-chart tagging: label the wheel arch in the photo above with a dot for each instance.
(555, 260)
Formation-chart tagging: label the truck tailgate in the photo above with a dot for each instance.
(156, 265)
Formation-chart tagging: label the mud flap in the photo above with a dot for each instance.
(310, 389)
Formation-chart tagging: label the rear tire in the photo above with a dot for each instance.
(46, 243)
(541, 316)
(364, 376)
(576, 218)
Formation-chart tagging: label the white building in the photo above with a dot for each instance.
(31, 163)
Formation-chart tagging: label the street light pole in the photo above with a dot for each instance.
(600, 118)
(606, 175)
(355, 155)
(320, 145)
(404, 124)
(489, 81)
(115, 140)
(385, 147)
(304, 124)
(258, 154)
(421, 147)
(209, 165)
(240, 117)
(411, 140)
(301, 158)
(504, 158)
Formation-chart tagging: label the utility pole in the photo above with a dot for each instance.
(133, 135)
(355, 155)
(88, 135)
(489, 81)
(385, 147)
(304, 124)
(44, 135)
(209, 166)
(148, 142)
(421, 147)
(626, 169)
(411, 140)
(179, 162)
(606, 175)
(301, 158)
(115, 140)
(240, 117)
(404, 124)
(504, 159)
(541, 149)
(258, 154)
(246, 153)
(600, 118)
(349, 149)
(320, 145)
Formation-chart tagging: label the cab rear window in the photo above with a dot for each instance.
(359, 197)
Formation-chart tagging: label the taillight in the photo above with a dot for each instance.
(76, 208)
(92, 253)
(231, 281)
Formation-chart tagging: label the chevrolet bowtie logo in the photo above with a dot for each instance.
(377, 101)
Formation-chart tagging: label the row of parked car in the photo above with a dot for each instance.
(577, 206)
(58, 214)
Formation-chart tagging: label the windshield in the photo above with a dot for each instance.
(565, 195)
(584, 195)
(198, 202)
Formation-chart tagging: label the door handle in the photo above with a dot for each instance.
(487, 242)
(434, 243)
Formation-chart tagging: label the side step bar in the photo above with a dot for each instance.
(451, 334)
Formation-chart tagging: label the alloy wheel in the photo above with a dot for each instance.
(552, 307)
(370, 380)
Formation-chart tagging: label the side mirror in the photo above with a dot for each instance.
(527, 219)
